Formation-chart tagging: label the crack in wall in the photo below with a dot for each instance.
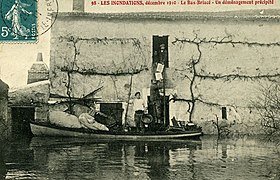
(226, 77)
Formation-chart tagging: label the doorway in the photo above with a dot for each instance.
(21, 117)
(158, 104)
(114, 110)
(158, 41)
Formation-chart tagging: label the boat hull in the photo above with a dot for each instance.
(45, 130)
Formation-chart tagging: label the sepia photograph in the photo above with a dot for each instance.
(140, 89)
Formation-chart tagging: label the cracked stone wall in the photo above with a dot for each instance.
(232, 59)
(33, 95)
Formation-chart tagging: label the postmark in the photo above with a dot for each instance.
(25, 20)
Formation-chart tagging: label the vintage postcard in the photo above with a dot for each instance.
(139, 89)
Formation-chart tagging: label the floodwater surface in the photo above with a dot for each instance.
(208, 158)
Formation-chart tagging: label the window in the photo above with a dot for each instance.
(224, 113)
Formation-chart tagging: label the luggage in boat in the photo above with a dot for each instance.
(89, 122)
(63, 119)
(102, 118)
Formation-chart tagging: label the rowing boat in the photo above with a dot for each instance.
(43, 129)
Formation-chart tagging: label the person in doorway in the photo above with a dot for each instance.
(163, 55)
(139, 107)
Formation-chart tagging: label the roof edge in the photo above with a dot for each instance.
(271, 14)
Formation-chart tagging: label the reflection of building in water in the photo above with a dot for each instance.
(161, 156)
(186, 156)
(17, 157)
(158, 160)
(66, 158)
(3, 170)
(104, 160)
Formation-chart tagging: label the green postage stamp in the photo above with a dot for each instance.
(18, 21)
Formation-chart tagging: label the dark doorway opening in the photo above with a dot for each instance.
(114, 110)
(21, 117)
(158, 105)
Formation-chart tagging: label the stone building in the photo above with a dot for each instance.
(30, 102)
(4, 130)
(215, 63)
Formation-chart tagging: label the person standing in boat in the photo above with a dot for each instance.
(139, 108)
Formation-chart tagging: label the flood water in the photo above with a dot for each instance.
(208, 158)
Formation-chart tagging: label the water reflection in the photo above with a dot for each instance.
(64, 158)
(3, 170)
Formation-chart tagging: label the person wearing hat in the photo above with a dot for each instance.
(138, 107)
(163, 55)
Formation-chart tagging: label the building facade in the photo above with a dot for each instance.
(215, 63)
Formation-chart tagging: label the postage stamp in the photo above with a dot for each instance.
(26, 20)
(18, 21)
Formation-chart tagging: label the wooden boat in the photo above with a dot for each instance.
(40, 129)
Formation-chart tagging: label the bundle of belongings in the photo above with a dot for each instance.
(85, 120)
(88, 121)
(63, 119)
